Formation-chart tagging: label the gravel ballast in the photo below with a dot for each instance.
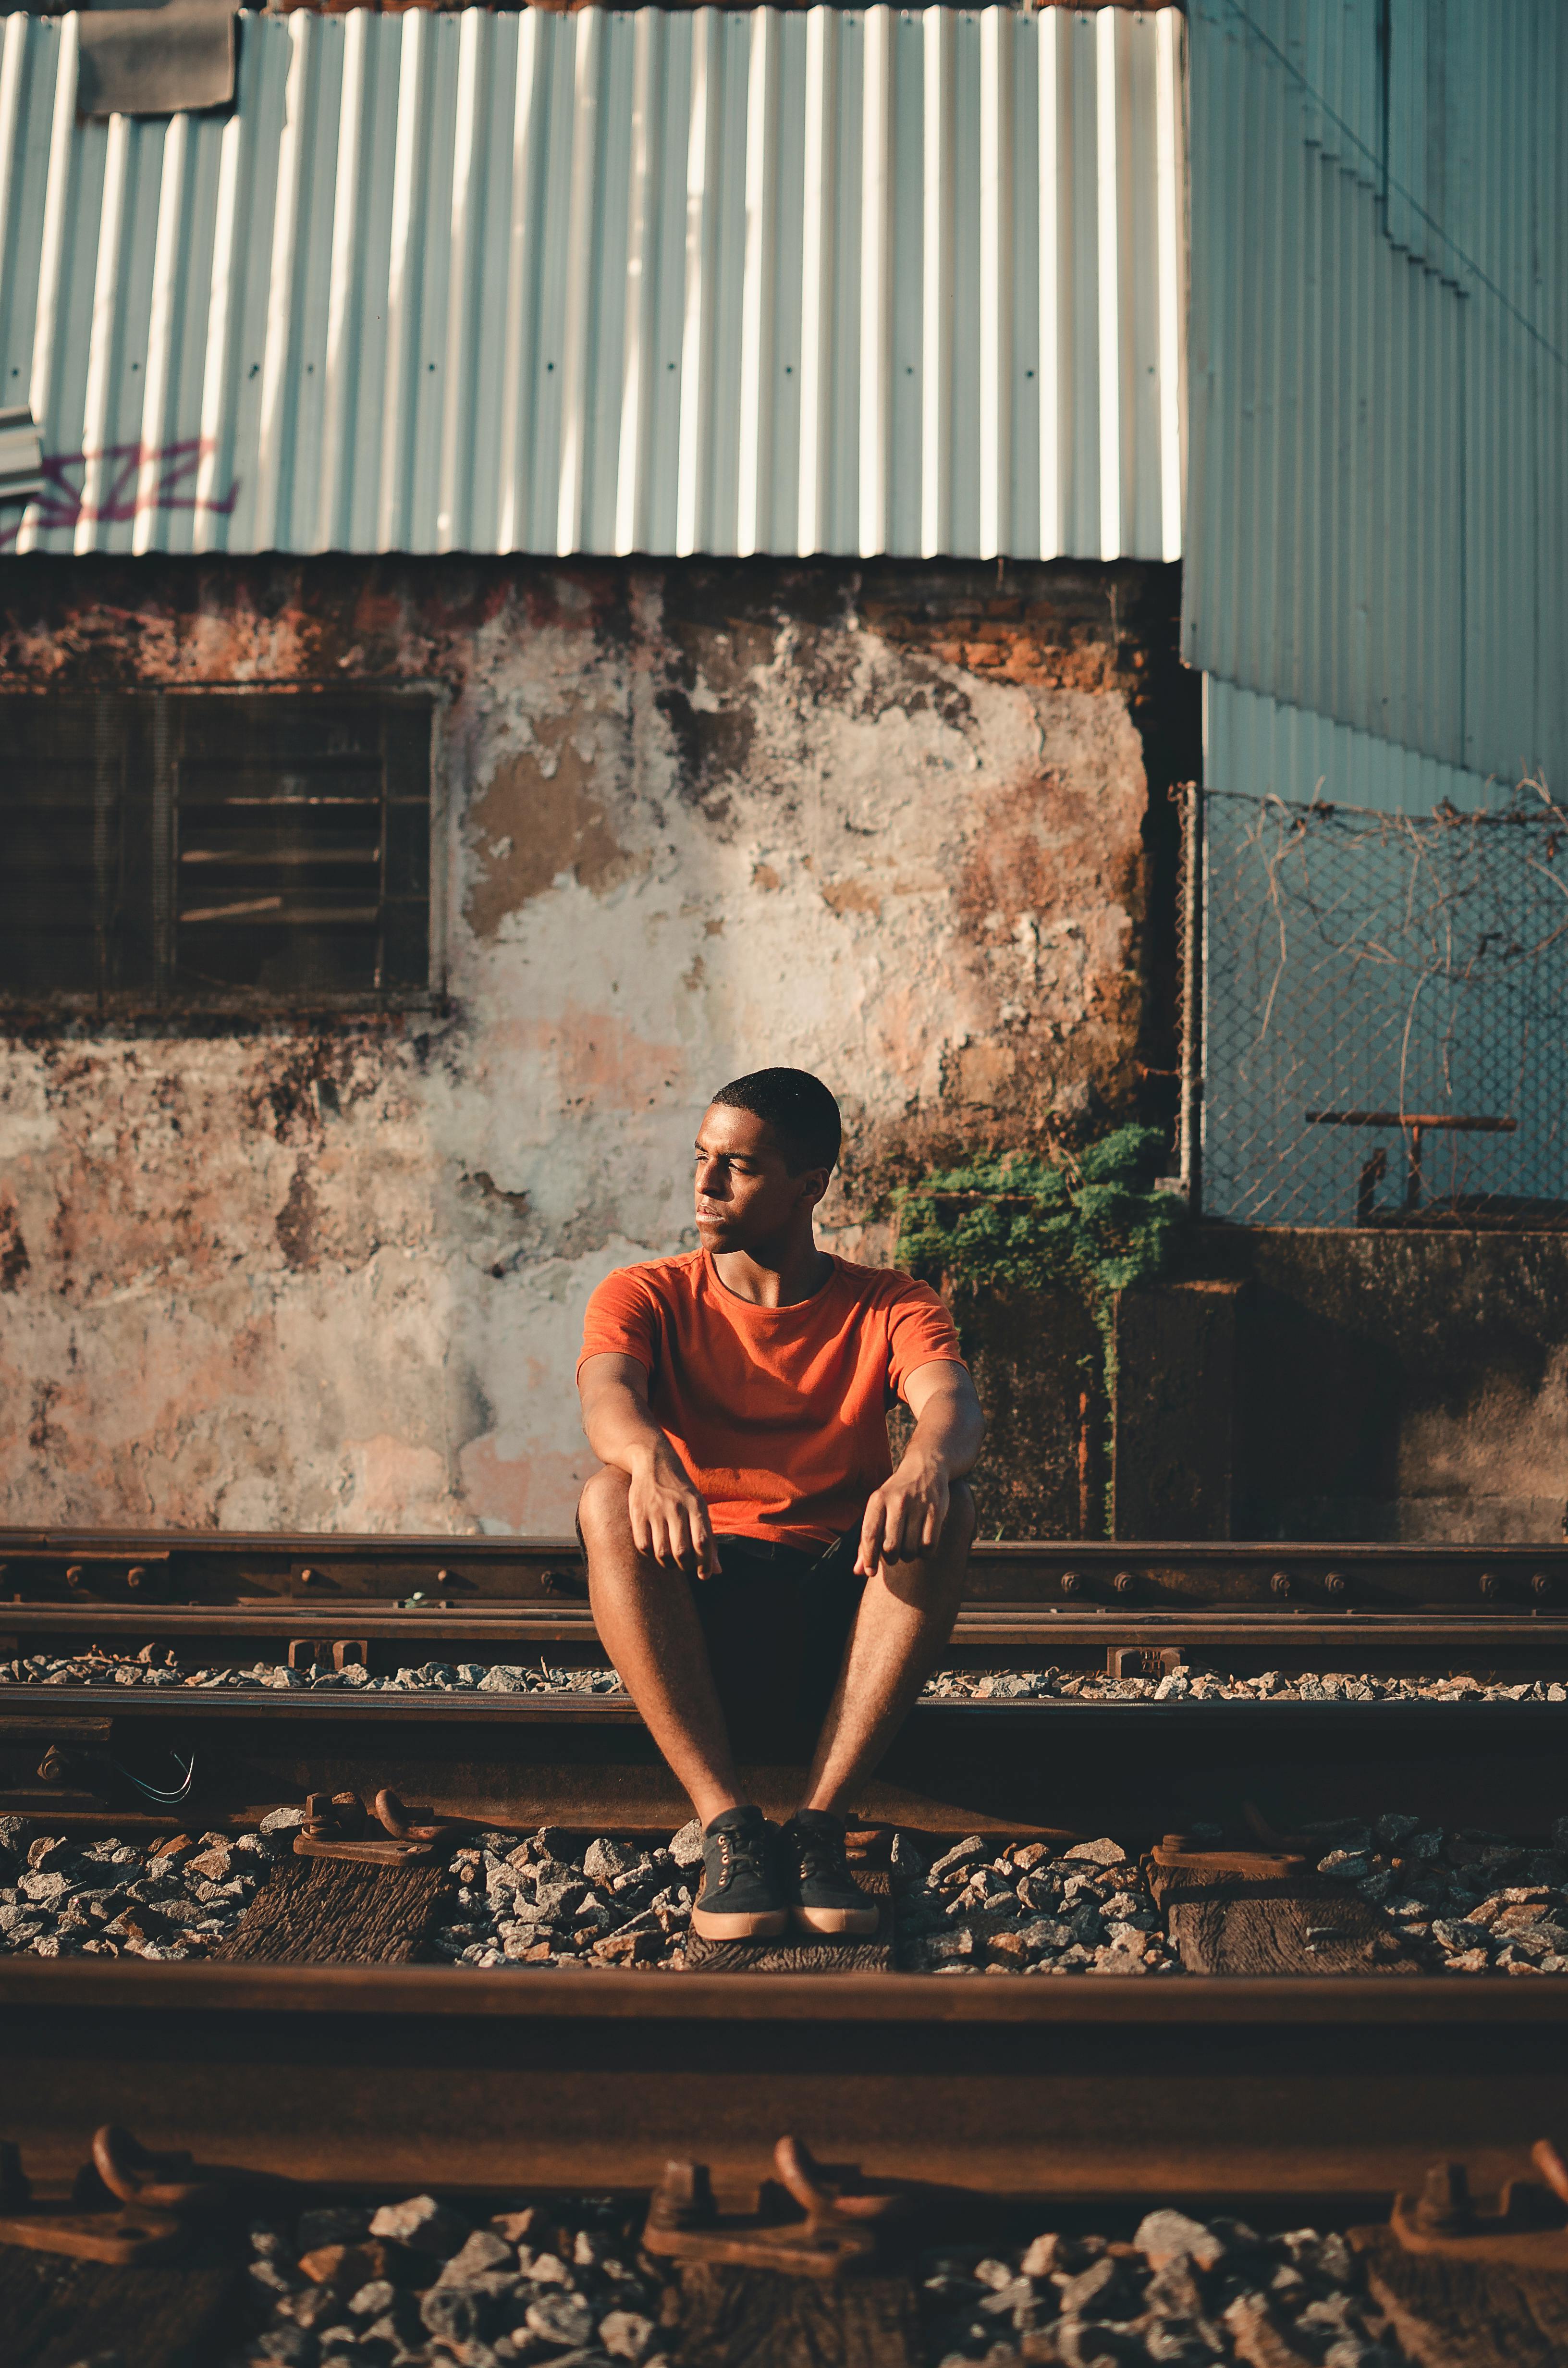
(62, 1896)
(1465, 1902)
(403, 2284)
(416, 2283)
(1184, 2292)
(154, 1668)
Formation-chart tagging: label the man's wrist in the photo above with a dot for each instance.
(924, 1463)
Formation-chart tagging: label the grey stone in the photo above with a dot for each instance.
(1100, 1852)
(1045, 1935)
(1167, 2237)
(626, 2334)
(604, 1860)
(686, 1848)
(462, 2314)
(281, 1821)
(970, 1851)
(565, 2318)
(424, 2224)
(1043, 2256)
(371, 2300)
(294, 2347)
(484, 2250)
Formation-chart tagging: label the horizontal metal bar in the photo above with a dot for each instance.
(1082, 2088)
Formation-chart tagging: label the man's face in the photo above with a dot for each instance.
(746, 1194)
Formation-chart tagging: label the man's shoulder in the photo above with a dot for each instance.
(882, 1286)
(662, 1277)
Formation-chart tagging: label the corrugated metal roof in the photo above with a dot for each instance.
(840, 281)
(1378, 499)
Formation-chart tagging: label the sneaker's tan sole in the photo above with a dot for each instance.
(763, 1924)
(838, 1919)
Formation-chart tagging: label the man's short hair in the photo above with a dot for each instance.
(798, 1107)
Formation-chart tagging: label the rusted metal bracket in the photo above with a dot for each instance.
(128, 2206)
(1178, 1855)
(337, 1825)
(316, 1652)
(1527, 2228)
(1143, 1661)
(837, 2235)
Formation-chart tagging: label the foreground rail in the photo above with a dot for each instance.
(1217, 2089)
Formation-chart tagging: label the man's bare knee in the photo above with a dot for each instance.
(601, 1508)
(959, 1528)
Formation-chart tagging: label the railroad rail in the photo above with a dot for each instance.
(1090, 2089)
(1023, 1597)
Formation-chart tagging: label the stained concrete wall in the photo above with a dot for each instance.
(897, 825)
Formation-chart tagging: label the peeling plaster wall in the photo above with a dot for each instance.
(893, 826)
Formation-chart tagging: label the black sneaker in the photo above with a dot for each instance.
(828, 1897)
(741, 1898)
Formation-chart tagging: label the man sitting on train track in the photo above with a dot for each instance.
(737, 1398)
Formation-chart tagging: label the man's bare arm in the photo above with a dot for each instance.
(905, 1516)
(669, 1517)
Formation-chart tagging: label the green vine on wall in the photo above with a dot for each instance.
(1088, 1223)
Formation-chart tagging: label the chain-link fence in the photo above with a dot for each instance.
(1376, 1021)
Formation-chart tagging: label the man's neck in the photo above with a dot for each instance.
(774, 1277)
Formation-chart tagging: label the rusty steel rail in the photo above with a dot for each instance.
(588, 1763)
(1082, 2089)
(133, 1567)
(229, 1598)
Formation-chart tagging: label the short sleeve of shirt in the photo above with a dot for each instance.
(622, 1320)
(920, 1332)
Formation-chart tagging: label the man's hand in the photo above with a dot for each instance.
(669, 1517)
(905, 1516)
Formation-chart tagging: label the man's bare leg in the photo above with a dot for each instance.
(648, 1624)
(905, 1618)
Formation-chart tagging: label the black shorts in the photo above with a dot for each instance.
(776, 1619)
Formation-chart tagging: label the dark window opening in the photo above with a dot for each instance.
(215, 852)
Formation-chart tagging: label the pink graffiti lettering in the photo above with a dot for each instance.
(60, 503)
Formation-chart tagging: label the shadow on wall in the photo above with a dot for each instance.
(1398, 1386)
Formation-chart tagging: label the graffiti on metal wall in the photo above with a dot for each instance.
(123, 493)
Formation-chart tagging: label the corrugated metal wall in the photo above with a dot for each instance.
(1378, 500)
(1256, 747)
(846, 281)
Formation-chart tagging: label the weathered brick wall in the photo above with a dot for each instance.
(899, 825)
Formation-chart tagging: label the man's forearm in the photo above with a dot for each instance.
(948, 1437)
(622, 1432)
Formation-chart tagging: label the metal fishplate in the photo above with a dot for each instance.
(337, 1825)
(1528, 2229)
(837, 2234)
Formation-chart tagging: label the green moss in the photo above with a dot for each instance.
(1088, 1223)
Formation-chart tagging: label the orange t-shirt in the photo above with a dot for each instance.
(779, 1413)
